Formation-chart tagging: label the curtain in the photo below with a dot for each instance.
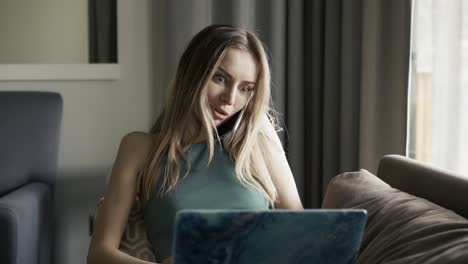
(358, 65)
(439, 96)
(339, 74)
(102, 31)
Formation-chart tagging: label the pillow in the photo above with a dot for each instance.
(134, 240)
(401, 228)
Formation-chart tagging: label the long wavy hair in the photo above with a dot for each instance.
(187, 112)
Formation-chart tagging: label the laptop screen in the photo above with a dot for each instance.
(272, 236)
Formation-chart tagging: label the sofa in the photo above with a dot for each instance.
(417, 213)
(29, 138)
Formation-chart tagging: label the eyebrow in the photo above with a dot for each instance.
(230, 76)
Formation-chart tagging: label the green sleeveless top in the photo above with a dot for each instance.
(213, 187)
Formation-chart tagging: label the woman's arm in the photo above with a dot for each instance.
(118, 200)
(280, 172)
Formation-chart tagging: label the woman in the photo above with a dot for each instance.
(213, 147)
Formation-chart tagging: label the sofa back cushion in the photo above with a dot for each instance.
(29, 137)
(401, 228)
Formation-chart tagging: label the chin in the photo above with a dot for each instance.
(219, 122)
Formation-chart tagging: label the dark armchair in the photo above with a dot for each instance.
(29, 137)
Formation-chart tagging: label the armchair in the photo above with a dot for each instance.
(29, 139)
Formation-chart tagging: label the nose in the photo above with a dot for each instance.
(229, 96)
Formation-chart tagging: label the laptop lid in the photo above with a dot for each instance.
(272, 236)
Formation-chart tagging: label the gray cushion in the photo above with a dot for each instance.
(401, 228)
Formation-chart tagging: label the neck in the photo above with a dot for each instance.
(196, 134)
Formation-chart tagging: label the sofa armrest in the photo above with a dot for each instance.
(25, 224)
(443, 187)
(8, 227)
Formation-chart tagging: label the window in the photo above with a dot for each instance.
(438, 110)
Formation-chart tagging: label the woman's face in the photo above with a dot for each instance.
(231, 84)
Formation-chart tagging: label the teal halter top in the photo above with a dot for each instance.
(213, 187)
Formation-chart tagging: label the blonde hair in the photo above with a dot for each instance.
(187, 109)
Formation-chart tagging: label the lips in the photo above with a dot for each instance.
(219, 113)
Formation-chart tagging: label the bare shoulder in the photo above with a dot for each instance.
(138, 139)
(135, 147)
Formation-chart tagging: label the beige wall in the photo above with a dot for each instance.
(96, 115)
(46, 31)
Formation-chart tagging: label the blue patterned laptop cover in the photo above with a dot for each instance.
(273, 236)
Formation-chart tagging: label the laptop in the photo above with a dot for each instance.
(271, 236)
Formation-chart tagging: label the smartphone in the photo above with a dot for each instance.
(227, 126)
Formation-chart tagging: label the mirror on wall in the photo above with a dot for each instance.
(58, 31)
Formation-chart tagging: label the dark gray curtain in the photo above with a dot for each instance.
(102, 16)
(339, 71)
(356, 59)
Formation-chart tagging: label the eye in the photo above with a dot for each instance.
(245, 89)
(219, 78)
